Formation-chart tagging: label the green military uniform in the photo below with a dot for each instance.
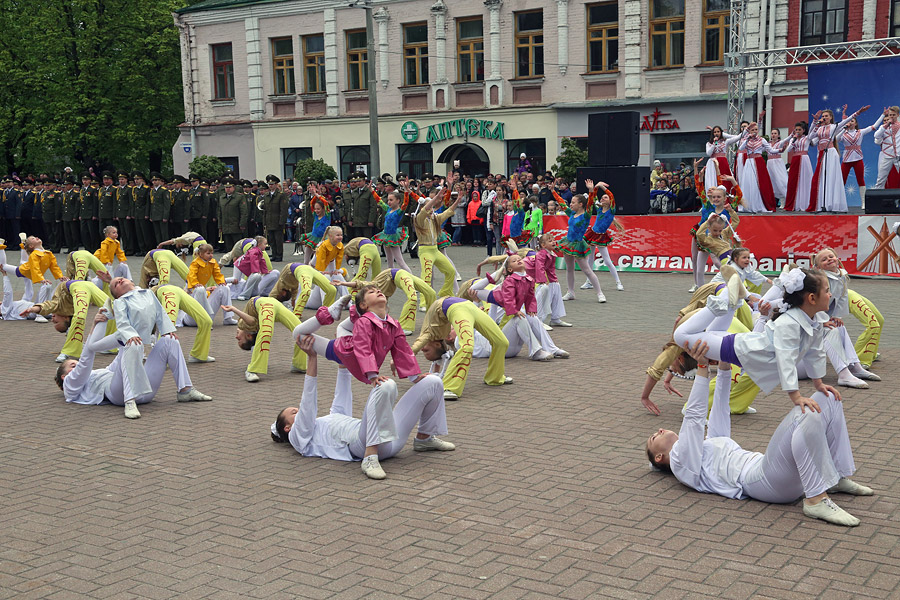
(141, 195)
(107, 198)
(179, 217)
(123, 213)
(71, 205)
(232, 215)
(198, 207)
(363, 210)
(160, 207)
(51, 211)
(275, 209)
(88, 215)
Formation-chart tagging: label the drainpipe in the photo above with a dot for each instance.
(767, 85)
(760, 100)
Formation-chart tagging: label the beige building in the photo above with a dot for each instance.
(269, 82)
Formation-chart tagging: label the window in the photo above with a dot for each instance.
(223, 72)
(357, 61)
(823, 21)
(535, 150)
(530, 43)
(289, 159)
(233, 163)
(353, 158)
(283, 65)
(716, 22)
(415, 159)
(415, 54)
(666, 33)
(314, 63)
(470, 50)
(603, 37)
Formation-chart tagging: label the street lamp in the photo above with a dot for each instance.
(374, 154)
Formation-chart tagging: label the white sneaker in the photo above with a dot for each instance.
(601, 298)
(847, 486)
(560, 354)
(448, 395)
(432, 443)
(297, 369)
(372, 468)
(192, 395)
(587, 285)
(507, 380)
(131, 411)
(458, 277)
(423, 309)
(827, 510)
(407, 332)
(568, 296)
(229, 322)
(853, 382)
(41, 319)
(547, 327)
(542, 356)
(251, 377)
(194, 359)
(861, 373)
(619, 286)
(61, 358)
(560, 324)
(23, 236)
(692, 289)
(750, 411)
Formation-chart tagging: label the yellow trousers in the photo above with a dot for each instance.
(369, 261)
(410, 284)
(84, 262)
(270, 310)
(867, 343)
(465, 318)
(307, 277)
(84, 293)
(166, 261)
(173, 299)
(430, 257)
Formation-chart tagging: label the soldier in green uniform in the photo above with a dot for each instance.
(88, 214)
(212, 223)
(363, 207)
(198, 207)
(232, 214)
(160, 207)
(107, 211)
(275, 208)
(51, 211)
(179, 218)
(141, 195)
(250, 196)
(123, 214)
(70, 209)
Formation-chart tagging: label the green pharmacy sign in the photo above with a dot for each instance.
(472, 128)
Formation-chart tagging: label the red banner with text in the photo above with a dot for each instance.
(865, 244)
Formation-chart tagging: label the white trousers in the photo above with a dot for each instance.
(839, 348)
(211, 304)
(11, 309)
(135, 379)
(808, 453)
(528, 332)
(885, 164)
(550, 302)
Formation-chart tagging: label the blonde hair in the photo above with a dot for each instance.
(204, 248)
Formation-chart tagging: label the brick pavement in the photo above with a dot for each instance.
(548, 494)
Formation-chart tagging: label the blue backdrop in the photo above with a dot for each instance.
(856, 83)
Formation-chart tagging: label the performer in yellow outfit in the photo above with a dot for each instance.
(428, 231)
(388, 281)
(159, 264)
(464, 318)
(110, 249)
(175, 299)
(296, 284)
(367, 255)
(207, 284)
(867, 343)
(80, 262)
(256, 324)
(69, 307)
(33, 262)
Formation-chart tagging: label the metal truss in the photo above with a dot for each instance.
(737, 77)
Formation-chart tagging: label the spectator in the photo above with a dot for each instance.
(475, 222)
(562, 188)
(688, 200)
(294, 211)
(552, 207)
(524, 164)
(458, 220)
(656, 173)
(662, 199)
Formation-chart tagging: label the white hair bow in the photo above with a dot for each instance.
(792, 281)
(274, 429)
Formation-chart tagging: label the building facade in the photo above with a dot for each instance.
(271, 82)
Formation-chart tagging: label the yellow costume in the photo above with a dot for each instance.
(39, 261)
(159, 263)
(173, 299)
(72, 299)
(110, 249)
(368, 254)
(267, 311)
(867, 343)
(428, 230)
(390, 279)
(204, 273)
(298, 279)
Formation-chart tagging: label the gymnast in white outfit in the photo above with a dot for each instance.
(380, 434)
(809, 454)
(82, 384)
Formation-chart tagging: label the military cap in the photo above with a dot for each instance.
(229, 181)
(138, 175)
(106, 174)
(272, 179)
(122, 174)
(86, 175)
(247, 183)
(193, 177)
(157, 175)
(401, 175)
(426, 176)
(70, 179)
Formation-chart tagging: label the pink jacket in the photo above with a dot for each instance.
(542, 267)
(372, 339)
(515, 291)
(251, 262)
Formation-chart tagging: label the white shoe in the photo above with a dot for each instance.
(131, 411)
(194, 359)
(619, 286)
(297, 369)
(458, 277)
(23, 236)
(560, 324)
(601, 298)
(877, 357)
(861, 373)
(41, 319)
(62, 358)
(432, 443)
(448, 395)
(423, 309)
(587, 285)
(192, 395)
(827, 510)
(507, 380)
(251, 377)
(750, 411)
(372, 468)
(296, 254)
(407, 332)
(847, 486)
(560, 354)
(692, 289)
(547, 327)
(229, 322)
(853, 382)
(568, 296)
(542, 356)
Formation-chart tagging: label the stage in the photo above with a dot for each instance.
(661, 243)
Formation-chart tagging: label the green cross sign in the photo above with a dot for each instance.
(409, 131)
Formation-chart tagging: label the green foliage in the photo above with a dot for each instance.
(315, 169)
(571, 158)
(207, 167)
(87, 80)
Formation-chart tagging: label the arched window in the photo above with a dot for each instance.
(535, 150)
(290, 157)
(415, 159)
(352, 158)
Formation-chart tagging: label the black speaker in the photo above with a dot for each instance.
(880, 202)
(614, 139)
(630, 186)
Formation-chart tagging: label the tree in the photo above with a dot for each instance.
(315, 169)
(571, 158)
(207, 167)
